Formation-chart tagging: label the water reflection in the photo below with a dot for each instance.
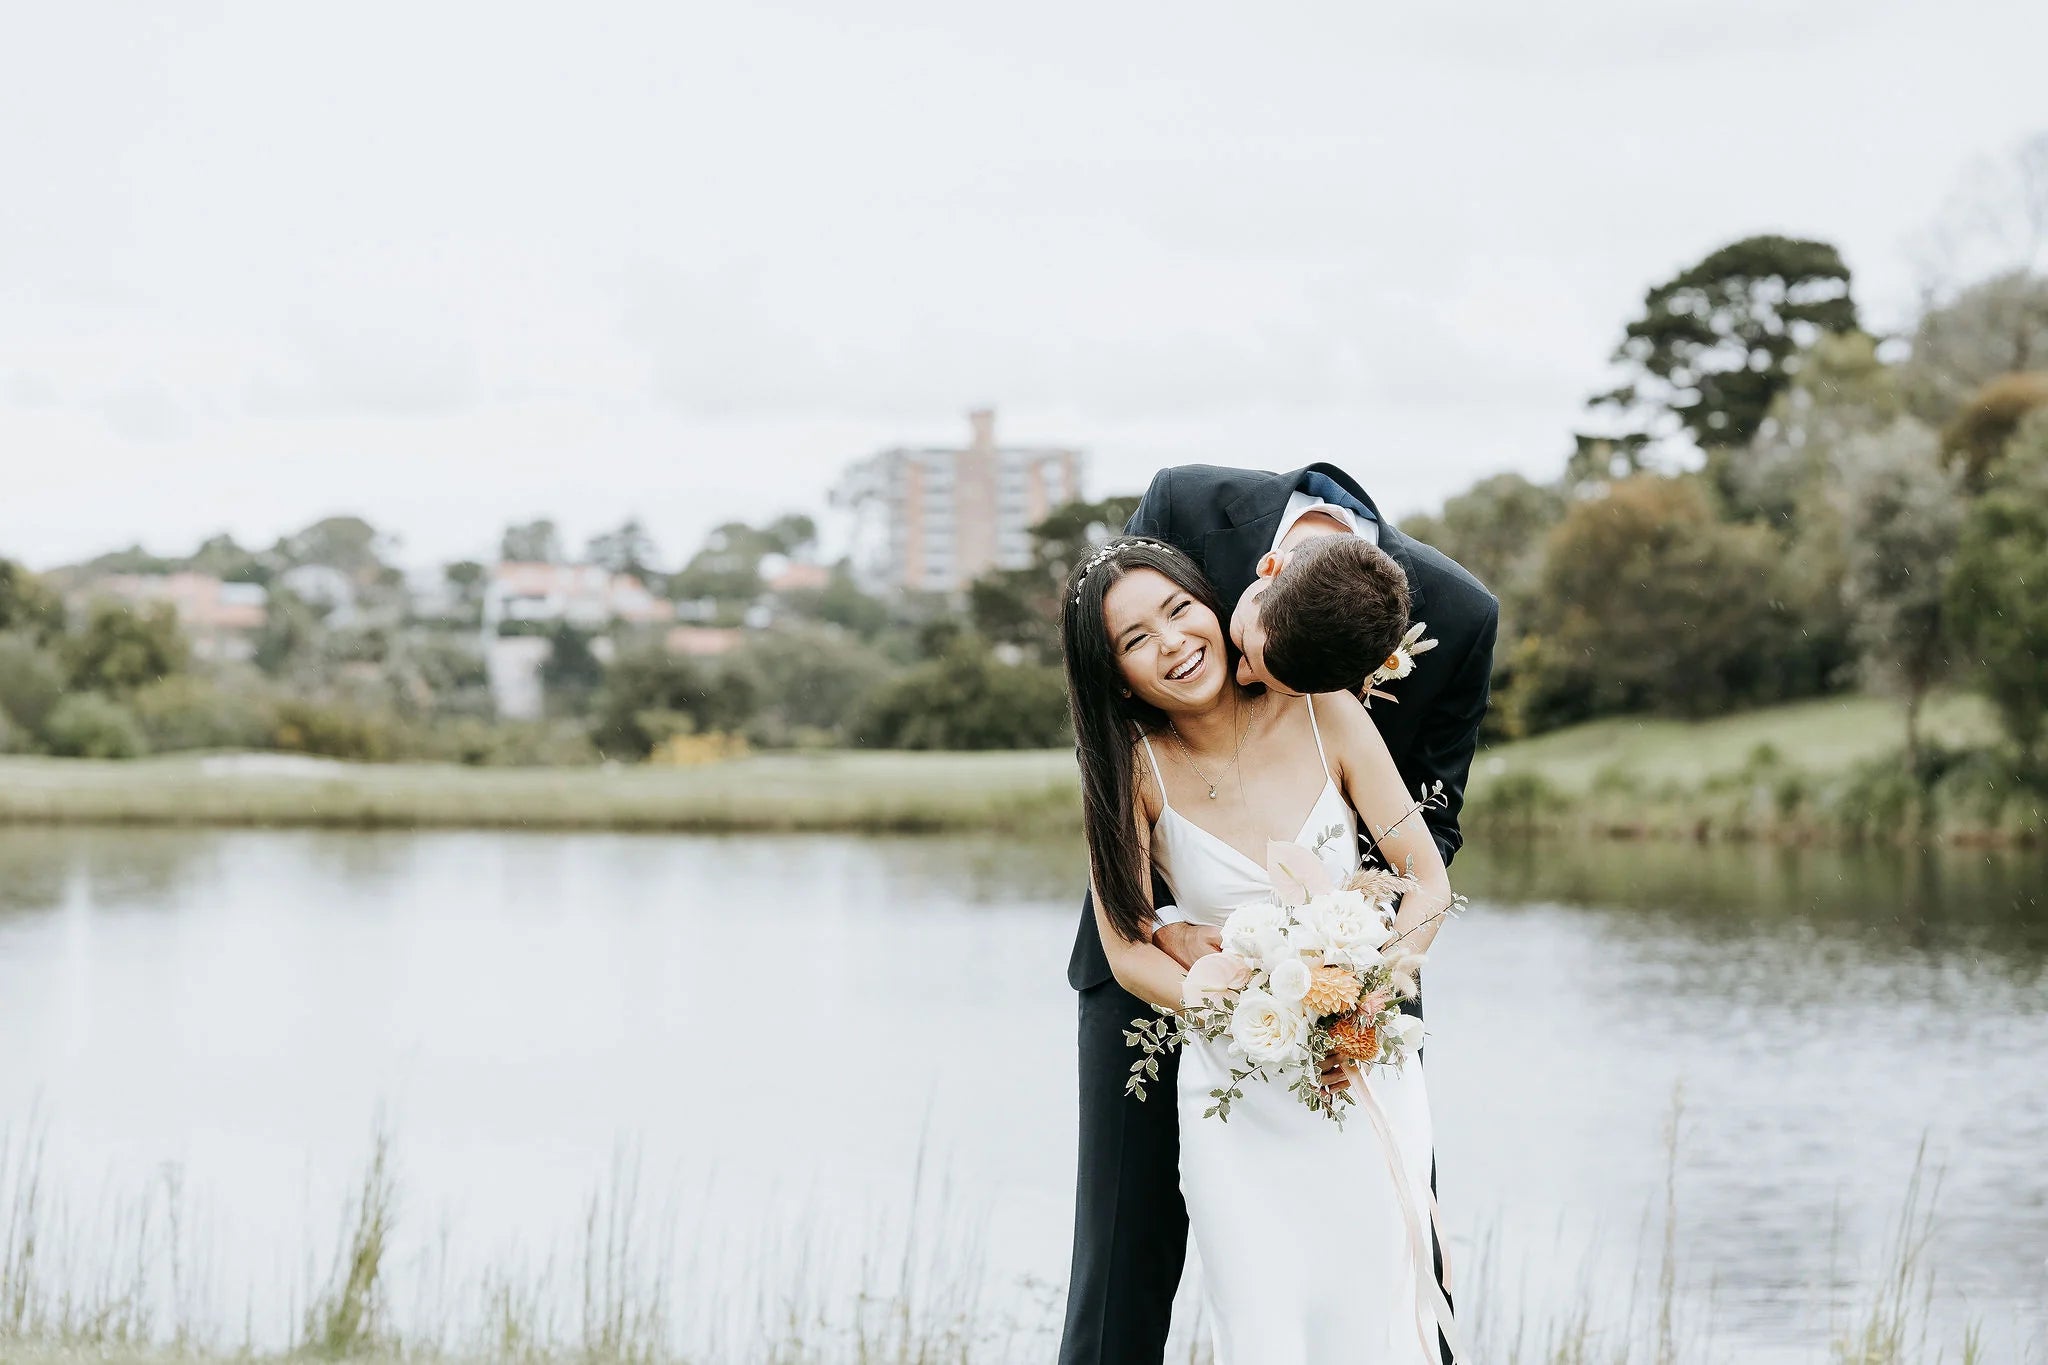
(241, 1001)
(1945, 900)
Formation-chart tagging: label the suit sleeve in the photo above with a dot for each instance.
(1443, 749)
(1154, 516)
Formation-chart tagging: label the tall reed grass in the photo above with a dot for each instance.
(640, 1286)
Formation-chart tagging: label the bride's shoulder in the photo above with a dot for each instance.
(1344, 720)
(1145, 777)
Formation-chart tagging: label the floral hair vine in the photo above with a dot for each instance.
(1399, 664)
(1107, 553)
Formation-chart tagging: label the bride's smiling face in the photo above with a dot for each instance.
(1168, 646)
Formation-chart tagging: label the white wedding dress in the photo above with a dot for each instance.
(1308, 1254)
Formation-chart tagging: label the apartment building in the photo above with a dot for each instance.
(933, 519)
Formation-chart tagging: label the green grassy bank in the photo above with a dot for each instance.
(1820, 770)
(1816, 770)
(883, 792)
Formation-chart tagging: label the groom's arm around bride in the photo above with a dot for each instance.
(1130, 1226)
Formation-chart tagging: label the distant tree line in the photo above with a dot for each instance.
(1772, 502)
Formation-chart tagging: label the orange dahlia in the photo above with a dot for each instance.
(1354, 1036)
(1331, 989)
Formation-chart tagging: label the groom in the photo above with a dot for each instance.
(1130, 1226)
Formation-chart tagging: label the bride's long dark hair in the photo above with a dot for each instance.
(1107, 723)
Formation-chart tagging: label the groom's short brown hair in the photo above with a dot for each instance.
(1333, 614)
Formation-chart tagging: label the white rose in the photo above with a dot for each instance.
(1288, 981)
(1264, 1031)
(1348, 924)
(1253, 931)
(1407, 1030)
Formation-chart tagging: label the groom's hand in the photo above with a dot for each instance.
(1186, 942)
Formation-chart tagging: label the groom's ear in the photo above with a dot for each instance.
(1270, 564)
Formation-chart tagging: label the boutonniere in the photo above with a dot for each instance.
(1399, 664)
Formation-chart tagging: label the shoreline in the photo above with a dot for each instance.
(1813, 773)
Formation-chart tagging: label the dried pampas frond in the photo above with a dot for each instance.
(1379, 885)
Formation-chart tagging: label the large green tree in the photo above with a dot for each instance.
(121, 649)
(1496, 528)
(967, 699)
(1901, 514)
(812, 679)
(1651, 603)
(1997, 594)
(32, 680)
(649, 694)
(28, 604)
(1717, 342)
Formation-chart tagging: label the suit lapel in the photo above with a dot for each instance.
(1402, 551)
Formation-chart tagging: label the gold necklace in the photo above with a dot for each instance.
(1236, 747)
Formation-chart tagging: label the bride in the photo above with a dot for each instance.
(1313, 1237)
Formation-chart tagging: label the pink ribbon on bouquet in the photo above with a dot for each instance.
(1430, 1303)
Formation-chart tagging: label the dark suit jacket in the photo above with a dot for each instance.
(1225, 520)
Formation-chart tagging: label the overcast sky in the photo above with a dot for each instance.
(450, 265)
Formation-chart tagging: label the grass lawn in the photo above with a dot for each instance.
(825, 791)
(1821, 737)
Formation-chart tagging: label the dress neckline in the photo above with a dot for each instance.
(1166, 809)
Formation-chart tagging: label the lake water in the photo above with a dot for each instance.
(779, 1033)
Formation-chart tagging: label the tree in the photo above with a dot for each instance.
(1021, 607)
(1901, 516)
(1496, 528)
(1976, 436)
(629, 549)
(121, 649)
(1649, 602)
(89, 725)
(649, 694)
(967, 699)
(571, 673)
(841, 603)
(31, 680)
(790, 534)
(1997, 594)
(1995, 327)
(811, 679)
(291, 631)
(1843, 389)
(727, 569)
(1011, 607)
(346, 543)
(531, 542)
(28, 604)
(223, 558)
(1720, 340)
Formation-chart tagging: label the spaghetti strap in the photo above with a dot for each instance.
(1157, 777)
(1319, 736)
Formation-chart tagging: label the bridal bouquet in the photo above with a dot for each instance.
(1314, 972)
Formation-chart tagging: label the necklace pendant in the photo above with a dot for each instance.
(1212, 793)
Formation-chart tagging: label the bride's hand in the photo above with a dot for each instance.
(1186, 942)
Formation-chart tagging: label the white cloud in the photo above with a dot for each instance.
(448, 266)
